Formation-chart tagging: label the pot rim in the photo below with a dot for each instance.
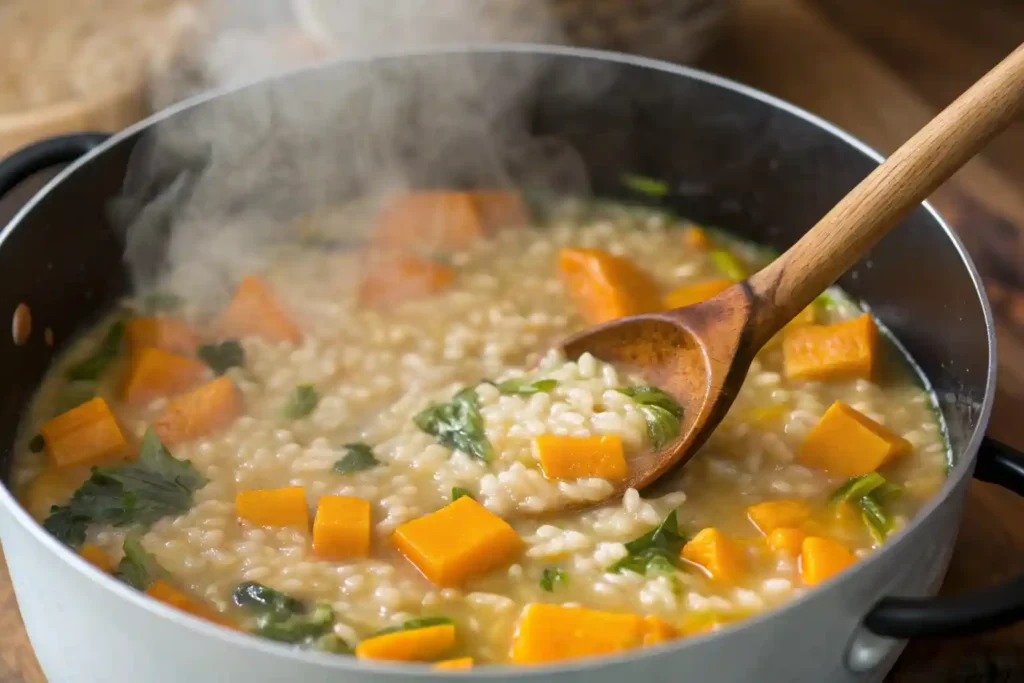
(963, 465)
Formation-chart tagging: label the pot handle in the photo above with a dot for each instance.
(38, 156)
(960, 615)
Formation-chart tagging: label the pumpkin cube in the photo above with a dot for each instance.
(342, 528)
(719, 555)
(578, 457)
(847, 443)
(548, 633)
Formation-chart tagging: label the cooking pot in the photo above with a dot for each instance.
(735, 158)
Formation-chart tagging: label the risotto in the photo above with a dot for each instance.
(371, 452)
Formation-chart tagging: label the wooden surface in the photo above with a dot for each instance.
(880, 69)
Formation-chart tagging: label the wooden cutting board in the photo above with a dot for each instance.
(880, 69)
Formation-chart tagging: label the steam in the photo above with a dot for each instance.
(213, 190)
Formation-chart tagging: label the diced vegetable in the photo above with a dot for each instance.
(201, 412)
(415, 645)
(845, 350)
(787, 540)
(166, 593)
(52, 486)
(457, 425)
(547, 633)
(301, 402)
(397, 277)
(255, 312)
(459, 492)
(847, 443)
(92, 367)
(457, 664)
(358, 457)
(604, 287)
(661, 411)
(551, 576)
(169, 334)
(729, 264)
(429, 219)
(138, 493)
(342, 528)
(285, 619)
(657, 630)
(655, 551)
(696, 238)
(274, 507)
(772, 514)
(823, 558)
(500, 209)
(578, 457)
(138, 568)
(155, 373)
(525, 388)
(719, 555)
(645, 185)
(485, 542)
(223, 356)
(687, 295)
(97, 557)
(86, 435)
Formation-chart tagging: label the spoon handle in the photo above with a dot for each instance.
(877, 203)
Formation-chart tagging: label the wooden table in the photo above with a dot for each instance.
(880, 69)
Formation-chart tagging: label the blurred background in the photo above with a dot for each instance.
(878, 68)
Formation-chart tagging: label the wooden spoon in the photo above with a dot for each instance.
(700, 354)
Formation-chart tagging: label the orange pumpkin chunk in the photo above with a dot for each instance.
(500, 209)
(548, 633)
(786, 540)
(169, 595)
(429, 219)
(823, 558)
(578, 457)
(52, 486)
(396, 277)
(200, 412)
(604, 287)
(415, 645)
(843, 350)
(154, 373)
(457, 664)
(719, 555)
(688, 295)
(274, 507)
(458, 542)
(169, 334)
(255, 312)
(847, 443)
(341, 529)
(696, 238)
(86, 435)
(97, 557)
(657, 630)
(771, 515)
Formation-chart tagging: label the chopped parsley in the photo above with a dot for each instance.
(551, 576)
(358, 457)
(301, 402)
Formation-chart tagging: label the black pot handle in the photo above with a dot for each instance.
(974, 612)
(38, 156)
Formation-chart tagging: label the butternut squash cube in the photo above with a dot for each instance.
(395, 277)
(97, 557)
(548, 633)
(86, 435)
(688, 295)
(839, 351)
(458, 542)
(415, 645)
(578, 457)
(657, 630)
(604, 287)
(721, 556)
(847, 443)
(169, 595)
(274, 507)
(52, 486)
(155, 373)
(429, 220)
(786, 540)
(200, 412)
(457, 664)
(255, 312)
(772, 514)
(169, 334)
(823, 558)
(341, 529)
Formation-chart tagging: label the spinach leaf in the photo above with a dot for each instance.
(138, 493)
(457, 425)
(413, 624)
(729, 264)
(301, 403)
(653, 396)
(459, 492)
(220, 357)
(875, 517)
(285, 619)
(138, 568)
(656, 551)
(867, 492)
(661, 413)
(37, 443)
(525, 388)
(358, 457)
(264, 600)
(856, 488)
(91, 367)
(552, 575)
(645, 185)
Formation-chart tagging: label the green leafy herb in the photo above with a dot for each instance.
(138, 493)
(329, 642)
(74, 395)
(301, 403)
(138, 568)
(660, 410)
(457, 425)
(358, 457)
(283, 618)
(37, 443)
(856, 488)
(645, 185)
(867, 492)
(525, 388)
(552, 575)
(220, 357)
(262, 599)
(413, 624)
(824, 302)
(103, 355)
(655, 551)
(161, 302)
(876, 519)
(459, 492)
(729, 264)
